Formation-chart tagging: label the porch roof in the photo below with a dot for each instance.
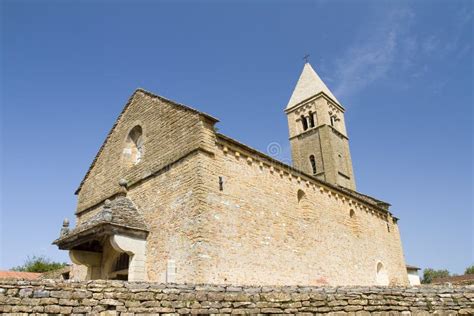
(119, 216)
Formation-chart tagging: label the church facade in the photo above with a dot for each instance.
(170, 199)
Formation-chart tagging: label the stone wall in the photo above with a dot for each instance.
(219, 212)
(262, 234)
(127, 298)
(329, 144)
(170, 132)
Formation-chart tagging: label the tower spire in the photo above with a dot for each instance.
(309, 84)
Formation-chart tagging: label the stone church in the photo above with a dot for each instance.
(170, 199)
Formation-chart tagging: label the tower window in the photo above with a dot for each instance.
(304, 122)
(313, 163)
(333, 120)
(134, 145)
(311, 119)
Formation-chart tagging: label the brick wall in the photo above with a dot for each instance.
(127, 298)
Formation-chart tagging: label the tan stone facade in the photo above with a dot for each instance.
(217, 211)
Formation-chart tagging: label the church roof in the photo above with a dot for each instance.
(120, 212)
(378, 204)
(309, 84)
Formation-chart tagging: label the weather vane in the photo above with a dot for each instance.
(306, 58)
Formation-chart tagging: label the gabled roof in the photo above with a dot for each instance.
(309, 84)
(185, 107)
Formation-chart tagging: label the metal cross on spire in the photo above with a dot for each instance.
(306, 58)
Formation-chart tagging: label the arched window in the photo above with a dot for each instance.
(381, 276)
(313, 163)
(305, 208)
(311, 119)
(353, 223)
(134, 145)
(304, 122)
(301, 195)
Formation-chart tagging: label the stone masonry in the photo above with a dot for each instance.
(216, 211)
(251, 229)
(49, 297)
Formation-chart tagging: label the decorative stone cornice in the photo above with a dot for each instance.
(262, 160)
(314, 98)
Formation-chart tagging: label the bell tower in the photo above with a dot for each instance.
(318, 136)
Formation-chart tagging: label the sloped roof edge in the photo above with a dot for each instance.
(367, 199)
(309, 84)
(120, 116)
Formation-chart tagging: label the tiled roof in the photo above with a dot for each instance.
(19, 275)
(458, 279)
(119, 212)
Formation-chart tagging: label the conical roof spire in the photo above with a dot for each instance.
(309, 84)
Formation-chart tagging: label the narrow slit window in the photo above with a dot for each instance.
(221, 184)
(313, 163)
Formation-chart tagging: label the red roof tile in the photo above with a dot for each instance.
(19, 275)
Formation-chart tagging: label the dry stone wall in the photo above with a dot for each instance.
(135, 298)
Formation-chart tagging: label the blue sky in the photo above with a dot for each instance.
(403, 70)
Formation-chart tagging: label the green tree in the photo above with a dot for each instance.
(430, 274)
(39, 264)
(469, 270)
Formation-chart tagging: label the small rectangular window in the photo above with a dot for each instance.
(221, 184)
